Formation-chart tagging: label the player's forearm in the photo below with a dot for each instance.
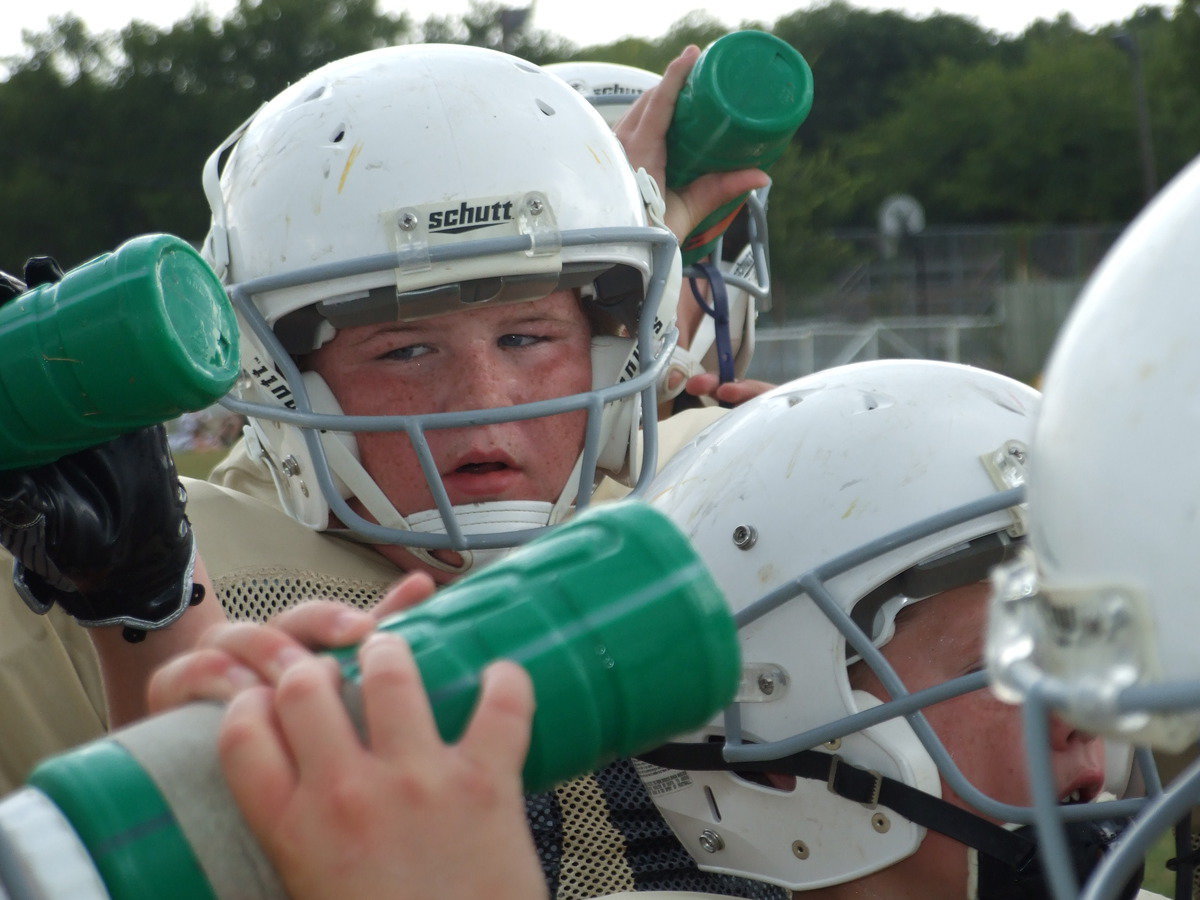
(126, 668)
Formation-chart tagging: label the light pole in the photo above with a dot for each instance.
(1128, 42)
(512, 21)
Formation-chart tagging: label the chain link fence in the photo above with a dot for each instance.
(990, 297)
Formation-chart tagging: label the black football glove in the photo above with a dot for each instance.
(101, 532)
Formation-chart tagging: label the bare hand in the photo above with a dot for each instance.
(643, 131)
(233, 656)
(403, 815)
(734, 393)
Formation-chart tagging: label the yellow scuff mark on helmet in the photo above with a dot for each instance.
(595, 155)
(355, 150)
(850, 509)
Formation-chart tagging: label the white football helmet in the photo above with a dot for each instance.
(724, 340)
(1099, 620)
(610, 87)
(823, 507)
(414, 181)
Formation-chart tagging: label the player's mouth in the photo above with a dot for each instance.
(1083, 789)
(480, 475)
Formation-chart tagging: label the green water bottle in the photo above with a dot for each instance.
(627, 638)
(129, 339)
(744, 99)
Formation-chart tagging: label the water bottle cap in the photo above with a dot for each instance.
(746, 96)
(128, 339)
(763, 83)
(186, 314)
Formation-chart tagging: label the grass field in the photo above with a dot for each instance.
(1158, 877)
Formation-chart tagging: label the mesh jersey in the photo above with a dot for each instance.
(602, 833)
(259, 596)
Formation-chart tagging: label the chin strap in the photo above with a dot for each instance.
(719, 312)
(863, 786)
(652, 198)
(481, 518)
(1087, 842)
(491, 518)
(1004, 863)
(682, 366)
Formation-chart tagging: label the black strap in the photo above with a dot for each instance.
(719, 311)
(862, 786)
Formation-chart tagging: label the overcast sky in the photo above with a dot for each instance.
(583, 23)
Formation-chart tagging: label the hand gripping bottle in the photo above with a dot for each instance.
(625, 634)
(128, 339)
(744, 99)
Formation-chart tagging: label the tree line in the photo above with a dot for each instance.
(107, 133)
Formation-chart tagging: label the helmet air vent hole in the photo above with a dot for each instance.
(338, 134)
(712, 804)
(545, 107)
(315, 94)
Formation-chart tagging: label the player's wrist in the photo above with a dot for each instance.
(137, 601)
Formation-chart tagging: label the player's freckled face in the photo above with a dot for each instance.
(476, 359)
(942, 638)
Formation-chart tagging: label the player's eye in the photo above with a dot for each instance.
(519, 340)
(410, 351)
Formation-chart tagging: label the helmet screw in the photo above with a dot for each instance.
(291, 466)
(711, 842)
(880, 823)
(1017, 453)
(799, 849)
(408, 222)
(745, 537)
(535, 207)
(835, 744)
(766, 684)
